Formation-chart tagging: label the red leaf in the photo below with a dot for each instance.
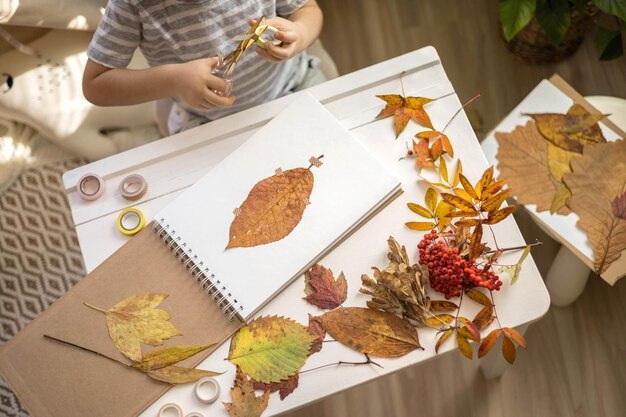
(284, 387)
(514, 336)
(322, 289)
(618, 205)
(316, 329)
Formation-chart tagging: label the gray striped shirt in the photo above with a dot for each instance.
(176, 31)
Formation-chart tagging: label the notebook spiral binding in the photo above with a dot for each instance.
(198, 270)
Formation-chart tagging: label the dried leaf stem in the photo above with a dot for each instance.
(536, 243)
(85, 349)
(366, 362)
(459, 111)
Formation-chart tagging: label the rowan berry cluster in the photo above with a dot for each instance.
(449, 272)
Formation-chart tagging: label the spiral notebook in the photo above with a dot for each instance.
(221, 250)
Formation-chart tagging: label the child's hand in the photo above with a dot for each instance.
(195, 84)
(289, 33)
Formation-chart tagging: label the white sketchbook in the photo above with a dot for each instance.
(348, 188)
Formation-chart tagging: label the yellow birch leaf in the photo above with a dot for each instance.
(431, 199)
(369, 331)
(269, 349)
(443, 169)
(178, 375)
(245, 403)
(160, 358)
(422, 211)
(136, 320)
(596, 180)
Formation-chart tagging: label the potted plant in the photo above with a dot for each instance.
(552, 30)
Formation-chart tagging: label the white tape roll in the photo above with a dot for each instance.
(170, 410)
(207, 390)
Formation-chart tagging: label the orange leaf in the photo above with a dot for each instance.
(404, 109)
(494, 187)
(484, 318)
(469, 213)
(495, 201)
(442, 339)
(499, 215)
(464, 346)
(515, 336)
(467, 223)
(488, 342)
(478, 296)
(508, 350)
(422, 211)
(273, 208)
(447, 146)
(457, 202)
(457, 175)
(436, 149)
(322, 289)
(422, 226)
(423, 158)
(474, 334)
(428, 134)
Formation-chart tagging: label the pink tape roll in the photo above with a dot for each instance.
(133, 187)
(90, 186)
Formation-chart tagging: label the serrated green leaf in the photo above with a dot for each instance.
(269, 349)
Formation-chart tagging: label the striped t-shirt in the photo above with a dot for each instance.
(176, 31)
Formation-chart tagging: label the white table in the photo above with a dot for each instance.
(172, 164)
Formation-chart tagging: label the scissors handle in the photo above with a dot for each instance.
(224, 69)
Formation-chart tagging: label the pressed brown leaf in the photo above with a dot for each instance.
(422, 226)
(445, 335)
(439, 319)
(317, 330)
(441, 306)
(508, 350)
(431, 199)
(515, 336)
(464, 345)
(523, 161)
(245, 403)
(423, 157)
(136, 320)
(478, 296)
(475, 246)
(284, 387)
(457, 202)
(484, 318)
(273, 208)
(404, 109)
(160, 358)
(596, 180)
(559, 201)
(373, 332)
(488, 342)
(178, 375)
(422, 211)
(322, 289)
(618, 206)
(559, 161)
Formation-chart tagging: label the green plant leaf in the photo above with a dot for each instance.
(554, 17)
(609, 43)
(269, 349)
(515, 15)
(580, 5)
(614, 7)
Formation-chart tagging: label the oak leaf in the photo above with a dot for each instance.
(245, 403)
(270, 349)
(404, 109)
(273, 208)
(523, 161)
(372, 332)
(596, 180)
(178, 375)
(136, 320)
(322, 289)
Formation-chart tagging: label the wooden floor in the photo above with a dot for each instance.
(575, 364)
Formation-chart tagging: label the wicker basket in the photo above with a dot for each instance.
(532, 45)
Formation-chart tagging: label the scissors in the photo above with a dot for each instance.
(226, 63)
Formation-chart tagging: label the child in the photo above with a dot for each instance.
(181, 40)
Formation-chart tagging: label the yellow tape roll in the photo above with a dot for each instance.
(130, 221)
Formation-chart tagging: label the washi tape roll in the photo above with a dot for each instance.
(207, 390)
(133, 187)
(170, 410)
(195, 414)
(90, 186)
(267, 33)
(130, 221)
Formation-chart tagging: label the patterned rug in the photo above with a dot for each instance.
(40, 258)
